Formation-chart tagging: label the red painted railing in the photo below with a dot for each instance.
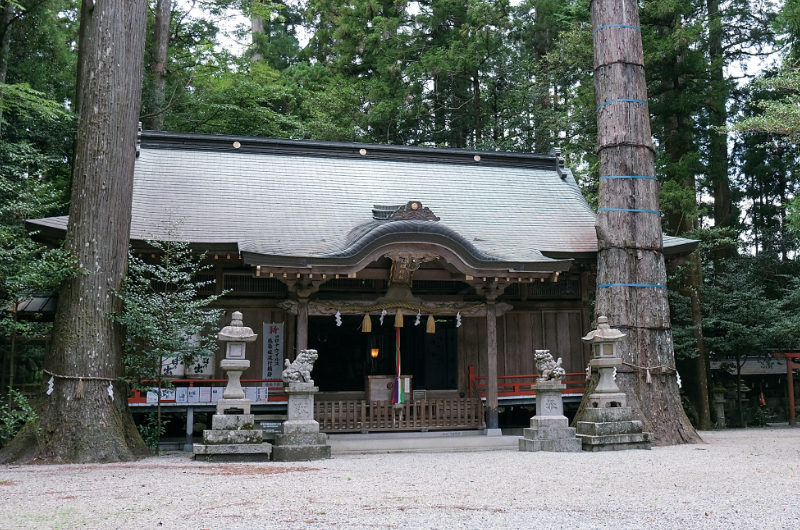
(275, 385)
(522, 385)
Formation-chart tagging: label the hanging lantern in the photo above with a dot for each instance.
(366, 325)
(431, 325)
(374, 353)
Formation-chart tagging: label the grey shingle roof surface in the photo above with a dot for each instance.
(289, 205)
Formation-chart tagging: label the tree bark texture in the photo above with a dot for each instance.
(256, 29)
(630, 258)
(695, 370)
(95, 427)
(6, 19)
(718, 114)
(161, 33)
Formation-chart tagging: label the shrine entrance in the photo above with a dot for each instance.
(345, 358)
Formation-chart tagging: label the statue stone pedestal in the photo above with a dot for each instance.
(550, 430)
(301, 439)
(232, 437)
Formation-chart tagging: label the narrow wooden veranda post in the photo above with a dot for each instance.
(492, 415)
(632, 278)
(302, 325)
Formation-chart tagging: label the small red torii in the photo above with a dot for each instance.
(792, 363)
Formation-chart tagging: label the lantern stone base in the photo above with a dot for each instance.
(232, 437)
(242, 405)
(233, 452)
(300, 439)
(611, 428)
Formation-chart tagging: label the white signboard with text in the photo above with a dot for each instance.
(273, 351)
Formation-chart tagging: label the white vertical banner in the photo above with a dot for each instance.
(273, 351)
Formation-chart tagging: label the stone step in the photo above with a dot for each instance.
(232, 421)
(309, 438)
(617, 447)
(615, 439)
(301, 453)
(607, 414)
(554, 446)
(233, 452)
(232, 436)
(609, 428)
(549, 434)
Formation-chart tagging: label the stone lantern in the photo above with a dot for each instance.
(606, 358)
(232, 437)
(235, 337)
(607, 423)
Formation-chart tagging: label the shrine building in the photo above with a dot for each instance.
(487, 255)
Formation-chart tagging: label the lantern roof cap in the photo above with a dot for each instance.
(237, 331)
(603, 333)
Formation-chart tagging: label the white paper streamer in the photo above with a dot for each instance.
(383, 314)
(338, 318)
(458, 319)
(111, 390)
(50, 385)
(419, 315)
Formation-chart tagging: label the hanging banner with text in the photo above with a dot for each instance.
(273, 353)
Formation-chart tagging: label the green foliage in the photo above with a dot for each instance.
(27, 267)
(778, 114)
(152, 429)
(25, 101)
(14, 415)
(250, 101)
(163, 313)
(165, 318)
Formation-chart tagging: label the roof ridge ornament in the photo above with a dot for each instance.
(413, 211)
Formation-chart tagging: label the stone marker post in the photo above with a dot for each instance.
(549, 430)
(300, 439)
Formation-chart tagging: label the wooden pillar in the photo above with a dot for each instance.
(291, 335)
(492, 419)
(790, 366)
(302, 325)
(189, 428)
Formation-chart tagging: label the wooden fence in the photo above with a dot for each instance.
(522, 385)
(383, 416)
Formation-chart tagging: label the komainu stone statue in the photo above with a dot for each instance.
(549, 370)
(300, 370)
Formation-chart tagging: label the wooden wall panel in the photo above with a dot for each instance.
(511, 353)
(471, 349)
(562, 333)
(501, 346)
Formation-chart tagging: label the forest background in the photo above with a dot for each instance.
(483, 74)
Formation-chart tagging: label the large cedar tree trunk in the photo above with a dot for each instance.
(95, 427)
(161, 34)
(630, 258)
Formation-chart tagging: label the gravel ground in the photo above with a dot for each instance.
(739, 479)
